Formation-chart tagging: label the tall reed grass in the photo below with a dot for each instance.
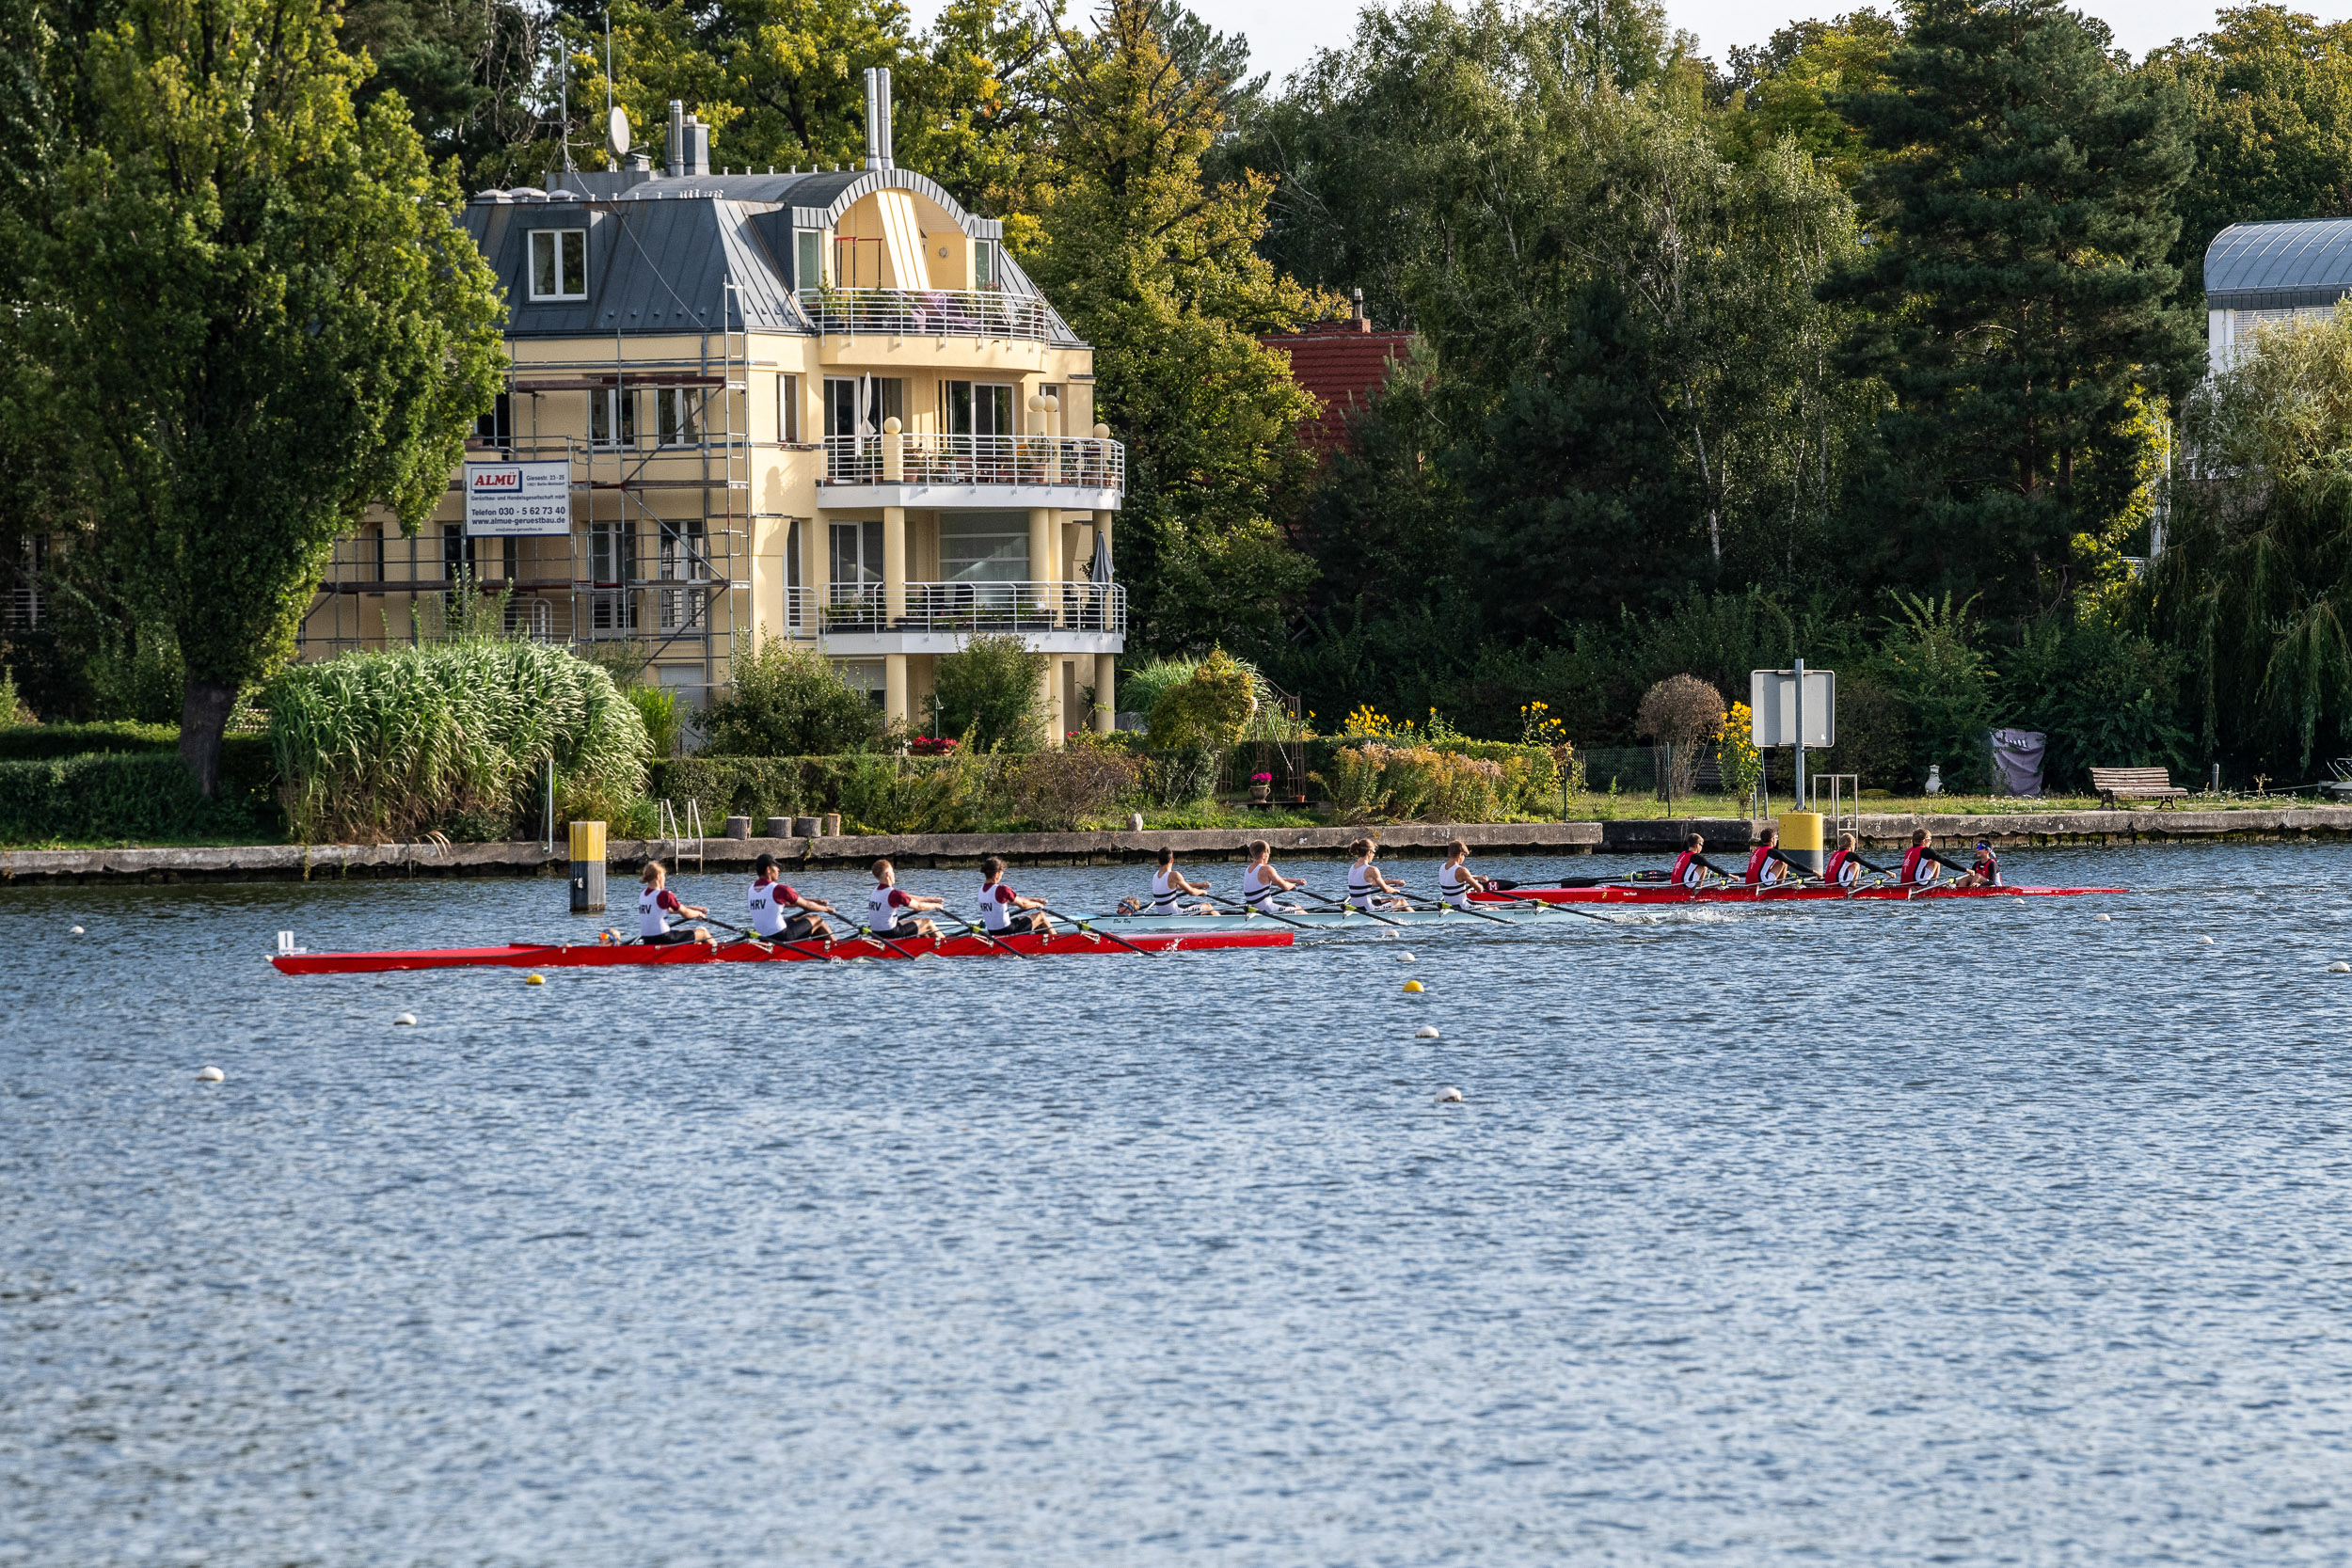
(384, 745)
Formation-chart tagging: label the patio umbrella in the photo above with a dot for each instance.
(1099, 569)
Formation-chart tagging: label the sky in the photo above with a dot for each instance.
(1284, 38)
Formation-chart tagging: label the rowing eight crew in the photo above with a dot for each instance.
(1769, 867)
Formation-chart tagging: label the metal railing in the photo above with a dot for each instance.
(981, 607)
(926, 313)
(1079, 461)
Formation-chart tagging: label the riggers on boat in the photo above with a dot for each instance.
(1784, 894)
(520, 954)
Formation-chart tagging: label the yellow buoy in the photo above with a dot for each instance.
(1412, 985)
(535, 979)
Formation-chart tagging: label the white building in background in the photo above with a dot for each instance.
(2261, 273)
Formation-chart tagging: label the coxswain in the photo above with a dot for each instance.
(1169, 889)
(890, 910)
(654, 906)
(1261, 883)
(1365, 883)
(1691, 867)
(1005, 912)
(1986, 872)
(1454, 882)
(1767, 866)
(1920, 862)
(780, 914)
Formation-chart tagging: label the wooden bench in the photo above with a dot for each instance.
(2136, 784)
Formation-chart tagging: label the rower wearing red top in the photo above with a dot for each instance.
(1847, 866)
(888, 903)
(1920, 863)
(1767, 866)
(1986, 872)
(654, 906)
(1692, 868)
(780, 914)
(1005, 912)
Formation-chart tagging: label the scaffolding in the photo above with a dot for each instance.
(658, 557)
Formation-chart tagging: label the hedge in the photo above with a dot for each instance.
(112, 797)
(42, 742)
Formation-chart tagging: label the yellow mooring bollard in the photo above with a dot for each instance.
(587, 868)
(1801, 840)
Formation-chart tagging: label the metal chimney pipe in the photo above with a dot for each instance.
(873, 120)
(882, 78)
(677, 138)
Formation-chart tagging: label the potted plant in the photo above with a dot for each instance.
(1261, 788)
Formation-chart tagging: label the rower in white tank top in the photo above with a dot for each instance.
(1455, 885)
(1169, 889)
(1367, 889)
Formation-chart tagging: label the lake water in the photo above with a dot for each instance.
(1965, 1232)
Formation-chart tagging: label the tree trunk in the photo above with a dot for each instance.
(204, 715)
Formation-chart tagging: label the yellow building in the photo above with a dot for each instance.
(819, 404)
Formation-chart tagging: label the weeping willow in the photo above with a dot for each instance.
(385, 745)
(2255, 584)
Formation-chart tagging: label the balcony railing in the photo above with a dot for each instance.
(1073, 460)
(981, 607)
(926, 313)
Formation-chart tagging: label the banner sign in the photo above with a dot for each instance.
(507, 499)
(1774, 699)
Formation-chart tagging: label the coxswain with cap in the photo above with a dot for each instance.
(654, 906)
(1986, 872)
(780, 914)
(889, 909)
(1005, 912)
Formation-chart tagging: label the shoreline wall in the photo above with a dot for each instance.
(282, 863)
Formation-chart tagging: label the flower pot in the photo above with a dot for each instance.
(1260, 793)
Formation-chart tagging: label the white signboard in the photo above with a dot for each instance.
(506, 499)
(1772, 701)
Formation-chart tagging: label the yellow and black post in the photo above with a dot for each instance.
(587, 868)
(1801, 840)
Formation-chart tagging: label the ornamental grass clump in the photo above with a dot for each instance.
(385, 745)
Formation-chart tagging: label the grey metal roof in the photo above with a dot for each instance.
(662, 250)
(2273, 266)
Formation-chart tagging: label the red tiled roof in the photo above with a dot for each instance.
(1343, 363)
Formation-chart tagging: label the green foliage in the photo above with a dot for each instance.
(785, 700)
(1946, 683)
(137, 797)
(1142, 686)
(2106, 697)
(388, 745)
(988, 694)
(1059, 789)
(1211, 708)
(657, 710)
(46, 742)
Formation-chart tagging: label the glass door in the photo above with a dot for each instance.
(683, 559)
(611, 566)
(857, 573)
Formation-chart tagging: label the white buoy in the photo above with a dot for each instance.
(2103, 917)
(77, 930)
(2206, 941)
(404, 1018)
(1426, 1032)
(210, 1076)
(1449, 1096)
(1401, 958)
(2340, 969)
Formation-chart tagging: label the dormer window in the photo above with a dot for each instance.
(559, 264)
(985, 273)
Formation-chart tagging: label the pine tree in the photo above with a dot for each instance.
(2022, 220)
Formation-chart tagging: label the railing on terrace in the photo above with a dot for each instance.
(1080, 461)
(981, 607)
(926, 313)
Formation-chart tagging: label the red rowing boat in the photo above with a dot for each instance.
(523, 955)
(1660, 893)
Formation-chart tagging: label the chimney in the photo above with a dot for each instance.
(678, 140)
(1363, 323)
(697, 146)
(877, 118)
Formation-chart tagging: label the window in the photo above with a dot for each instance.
(612, 565)
(795, 613)
(512, 565)
(457, 552)
(984, 546)
(808, 263)
(857, 264)
(788, 409)
(678, 416)
(977, 408)
(613, 418)
(855, 408)
(559, 264)
(495, 425)
(380, 564)
(857, 560)
(984, 269)
(682, 559)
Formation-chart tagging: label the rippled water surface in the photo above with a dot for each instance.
(1983, 1233)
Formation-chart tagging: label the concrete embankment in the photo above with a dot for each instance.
(1656, 835)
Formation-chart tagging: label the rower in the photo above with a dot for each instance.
(1920, 862)
(1986, 872)
(1454, 882)
(1260, 881)
(1846, 864)
(1169, 888)
(888, 901)
(1364, 880)
(1691, 867)
(1767, 866)
(654, 906)
(780, 914)
(1005, 912)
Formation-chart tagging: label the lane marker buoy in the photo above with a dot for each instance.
(1401, 958)
(2340, 969)
(210, 1076)
(1449, 1096)
(2103, 917)
(1426, 1032)
(404, 1018)
(535, 979)
(77, 930)
(1412, 985)
(2204, 942)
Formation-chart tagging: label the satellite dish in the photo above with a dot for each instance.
(616, 132)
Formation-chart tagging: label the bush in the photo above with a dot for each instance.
(1057, 789)
(1212, 709)
(1873, 738)
(987, 693)
(41, 742)
(137, 797)
(450, 736)
(657, 710)
(787, 700)
(1681, 711)
(1141, 687)
(2106, 698)
(1374, 780)
(1946, 686)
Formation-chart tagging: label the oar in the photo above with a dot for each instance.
(769, 943)
(1342, 904)
(1442, 905)
(987, 936)
(1248, 908)
(1546, 907)
(872, 935)
(1114, 936)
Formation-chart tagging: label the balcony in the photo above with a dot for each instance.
(926, 313)
(1078, 471)
(1053, 617)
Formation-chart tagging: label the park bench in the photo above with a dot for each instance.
(2136, 784)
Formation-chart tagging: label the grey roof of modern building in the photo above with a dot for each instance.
(662, 249)
(2274, 267)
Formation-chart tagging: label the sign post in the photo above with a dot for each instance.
(1799, 708)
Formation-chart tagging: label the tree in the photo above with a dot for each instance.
(257, 314)
(1788, 89)
(987, 693)
(2015, 297)
(785, 699)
